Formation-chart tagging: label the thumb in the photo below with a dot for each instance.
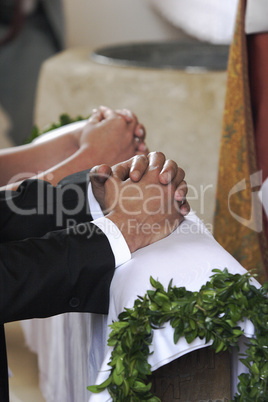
(96, 116)
(99, 174)
(98, 177)
(121, 170)
(133, 168)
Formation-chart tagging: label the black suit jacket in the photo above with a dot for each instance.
(47, 268)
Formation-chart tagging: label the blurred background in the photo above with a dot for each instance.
(94, 23)
(180, 107)
(43, 28)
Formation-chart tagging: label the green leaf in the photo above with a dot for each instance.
(126, 387)
(94, 388)
(100, 387)
(220, 347)
(119, 367)
(156, 284)
(192, 324)
(177, 335)
(255, 369)
(141, 387)
(237, 332)
(117, 378)
(190, 337)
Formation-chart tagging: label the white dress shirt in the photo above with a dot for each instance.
(116, 239)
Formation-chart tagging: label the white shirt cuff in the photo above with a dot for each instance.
(116, 239)
(95, 209)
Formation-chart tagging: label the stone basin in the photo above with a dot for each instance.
(176, 55)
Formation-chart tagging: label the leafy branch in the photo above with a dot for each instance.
(212, 314)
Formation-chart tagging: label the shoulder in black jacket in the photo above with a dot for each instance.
(46, 267)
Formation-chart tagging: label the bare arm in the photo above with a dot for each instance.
(107, 137)
(25, 161)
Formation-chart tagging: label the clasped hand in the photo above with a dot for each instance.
(144, 197)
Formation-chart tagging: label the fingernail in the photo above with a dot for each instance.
(135, 174)
(165, 176)
(142, 146)
(128, 113)
(140, 131)
(183, 210)
(179, 195)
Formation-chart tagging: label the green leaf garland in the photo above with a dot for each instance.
(212, 314)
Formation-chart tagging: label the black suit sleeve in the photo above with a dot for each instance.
(37, 207)
(52, 260)
(65, 270)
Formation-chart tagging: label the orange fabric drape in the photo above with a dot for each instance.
(238, 223)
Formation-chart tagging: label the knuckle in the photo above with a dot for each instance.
(181, 171)
(172, 164)
(183, 185)
(158, 154)
(119, 118)
(156, 159)
(185, 188)
(141, 158)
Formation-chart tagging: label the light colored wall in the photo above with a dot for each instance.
(100, 22)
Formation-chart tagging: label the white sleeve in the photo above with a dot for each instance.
(95, 208)
(116, 239)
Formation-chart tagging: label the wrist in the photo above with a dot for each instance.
(125, 228)
(77, 134)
